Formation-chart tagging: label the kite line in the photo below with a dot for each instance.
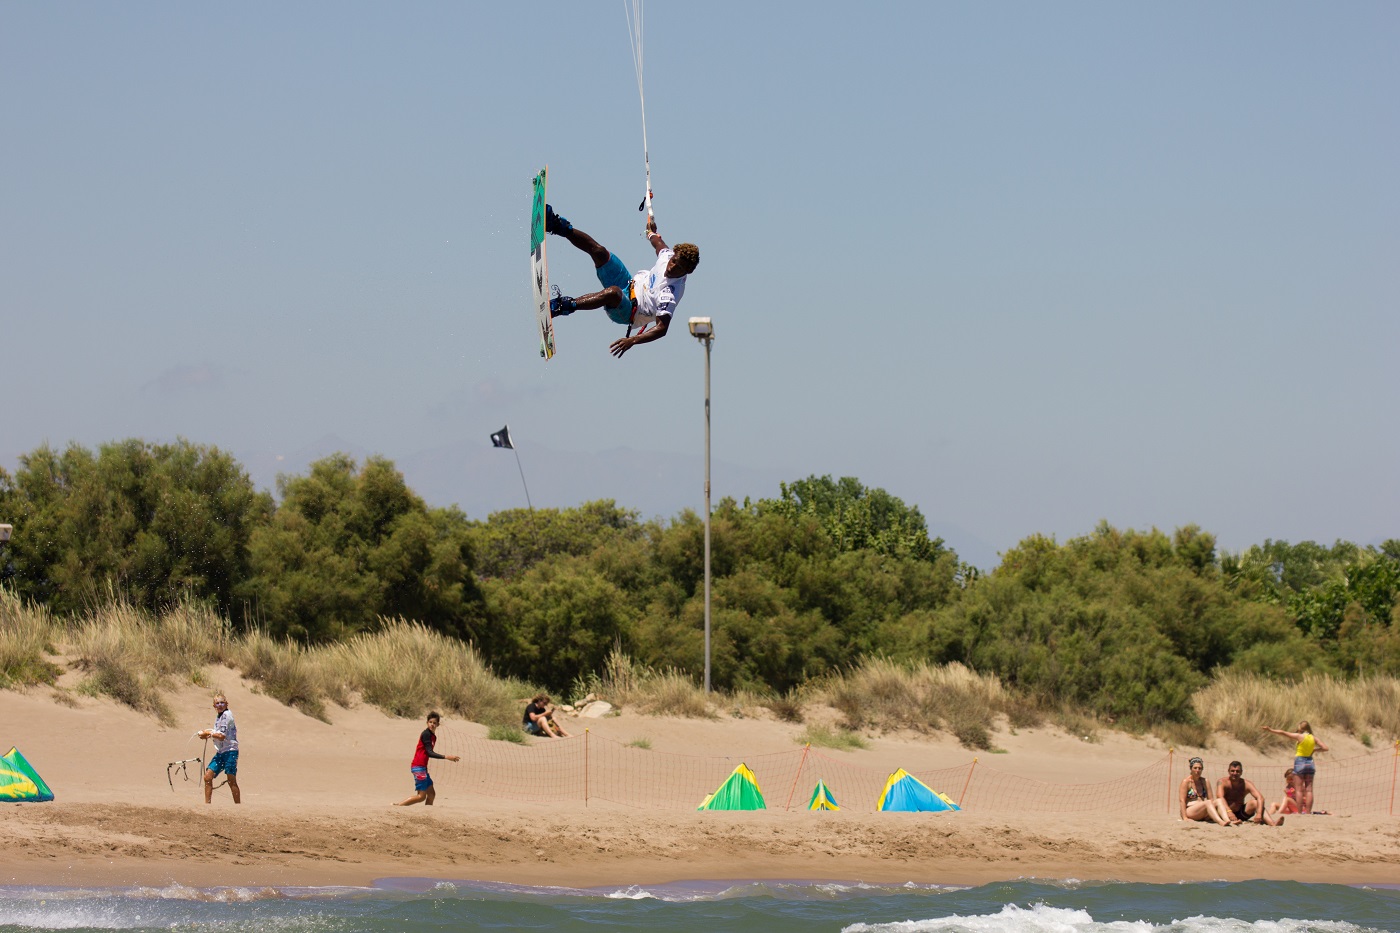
(633, 11)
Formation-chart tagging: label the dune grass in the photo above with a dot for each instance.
(503, 733)
(26, 636)
(826, 737)
(134, 658)
(883, 694)
(1241, 704)
(624, 682)
(405, 668)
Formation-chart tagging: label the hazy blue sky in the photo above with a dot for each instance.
(1025, 265)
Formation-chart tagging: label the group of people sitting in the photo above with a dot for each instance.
(1236, 800)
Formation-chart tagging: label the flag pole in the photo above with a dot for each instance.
(502, 439)
(522, 479)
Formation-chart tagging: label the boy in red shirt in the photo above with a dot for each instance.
(422, 783)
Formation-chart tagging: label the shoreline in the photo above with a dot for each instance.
(116, 845)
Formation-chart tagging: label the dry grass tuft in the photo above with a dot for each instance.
(624, 682)
(1241, 704)
(503, 733)
(883, 694)
(26, 635)
(826, 737)
(287, 673)
(407, 668)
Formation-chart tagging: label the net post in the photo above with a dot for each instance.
(792, 790)
(1394, 761)
(586, 731)
(972, 767)
(1171, 752)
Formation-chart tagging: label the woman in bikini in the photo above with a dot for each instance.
(1196, 802)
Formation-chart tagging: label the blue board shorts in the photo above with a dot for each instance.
(225, 762)
(611, 273)
(421, 780)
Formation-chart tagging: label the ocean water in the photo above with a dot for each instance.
(422, 905)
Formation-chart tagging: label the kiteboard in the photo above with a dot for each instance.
(539, 269)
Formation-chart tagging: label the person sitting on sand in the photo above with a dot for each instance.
(539, 718)
(1239, 795)
(424, 791)
(1195, 799)
(1289, 804)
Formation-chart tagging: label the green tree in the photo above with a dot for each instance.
(856, 518)
(561, 618)
(512, 541)
(154, 523)
(349, 546)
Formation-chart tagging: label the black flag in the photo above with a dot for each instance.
(502, 438)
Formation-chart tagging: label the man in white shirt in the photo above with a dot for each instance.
(225, 736)
(646, 301)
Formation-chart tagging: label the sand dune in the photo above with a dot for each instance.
(316, 810)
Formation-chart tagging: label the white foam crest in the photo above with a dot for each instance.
(57, 915)
(632, 893)
(1203, 924)
(1043, 919)
(1037, 919)
(106, 913)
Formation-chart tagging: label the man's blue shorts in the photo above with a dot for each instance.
(225, 762)
(613, 272)
(421, 780)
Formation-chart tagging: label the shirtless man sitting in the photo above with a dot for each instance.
(1243, 799)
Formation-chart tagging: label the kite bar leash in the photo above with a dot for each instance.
(182, 766)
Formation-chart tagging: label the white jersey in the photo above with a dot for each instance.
(656, 295)
(224, 724)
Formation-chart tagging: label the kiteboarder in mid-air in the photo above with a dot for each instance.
(646, 300)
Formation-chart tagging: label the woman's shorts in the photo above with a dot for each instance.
(1304, 766)
(421, 780)
(225, 762)
(611, 273)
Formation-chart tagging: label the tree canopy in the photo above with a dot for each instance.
(1127, 623)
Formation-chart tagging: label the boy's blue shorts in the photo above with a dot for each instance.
(421, 780)
(613, 272)
(225, 762)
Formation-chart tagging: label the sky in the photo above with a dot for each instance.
(1026, 266)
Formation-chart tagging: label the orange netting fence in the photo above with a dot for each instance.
(588, 768)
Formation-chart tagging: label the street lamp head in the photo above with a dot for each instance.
(701, 328)
(5, 533)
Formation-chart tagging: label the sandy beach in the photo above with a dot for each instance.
(317, 810)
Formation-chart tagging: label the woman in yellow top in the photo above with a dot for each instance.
(1303, 767)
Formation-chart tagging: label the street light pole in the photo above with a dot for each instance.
(704, 331)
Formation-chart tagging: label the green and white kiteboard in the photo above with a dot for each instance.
(539, 269)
